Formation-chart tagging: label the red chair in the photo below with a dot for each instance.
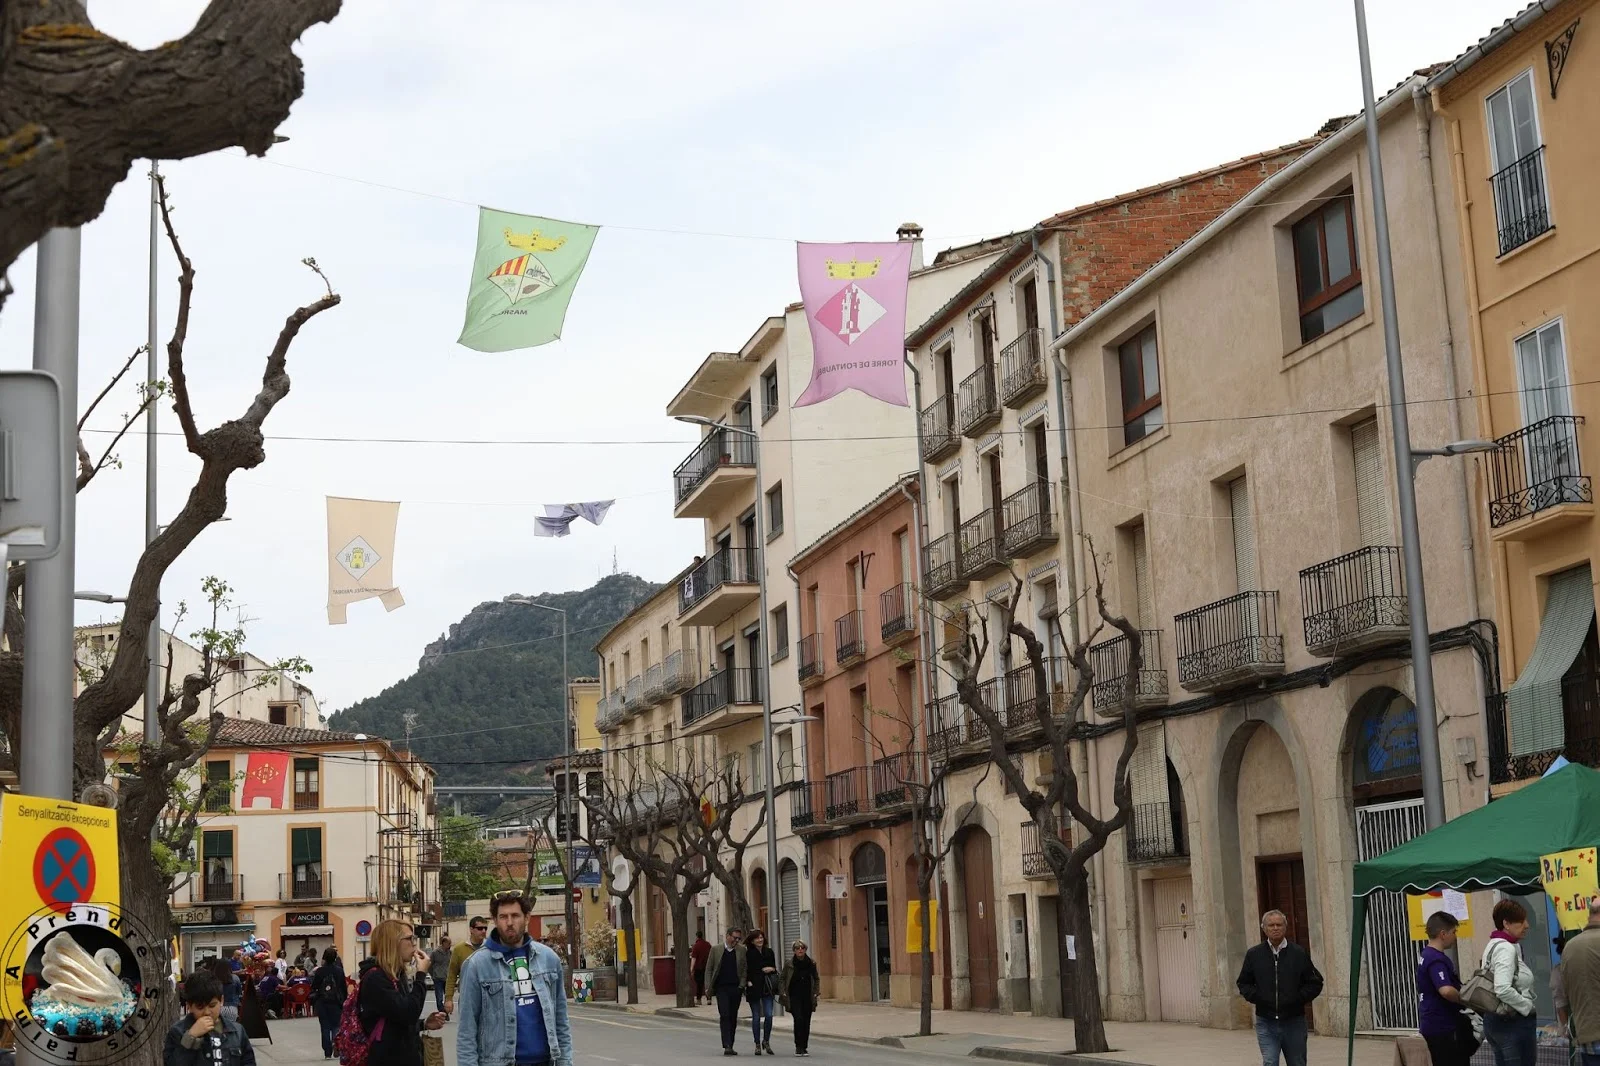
(297, 1001)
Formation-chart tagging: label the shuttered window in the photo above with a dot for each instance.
(1147, 770)
(1141, 579)
(217, 845)
(305, 846)
(1372, 494)
(1533, 702)
(1244, 535)
(789, 899)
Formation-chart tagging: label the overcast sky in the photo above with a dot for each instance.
(705, 137)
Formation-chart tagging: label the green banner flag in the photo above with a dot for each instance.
(522, 279)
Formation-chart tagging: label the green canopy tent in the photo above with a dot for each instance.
(1496, 846)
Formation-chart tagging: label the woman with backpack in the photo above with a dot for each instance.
(327, 997)
(389, 1000)
(1512, 1031)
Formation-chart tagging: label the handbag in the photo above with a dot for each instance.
(771, 983)
(1478, 992)
(432, 1051)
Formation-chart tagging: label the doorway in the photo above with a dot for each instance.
(882, 954)
(1177, 950)
(977, 877)
(1281, 886)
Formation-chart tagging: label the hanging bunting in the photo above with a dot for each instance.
(558, 517)
(522, 279)
(361, 554)
(855, 300)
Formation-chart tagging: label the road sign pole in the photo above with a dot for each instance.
(47, 673)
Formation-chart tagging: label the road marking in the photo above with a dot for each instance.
(620, 1025)
(605, 1058)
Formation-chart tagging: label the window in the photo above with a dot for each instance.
(305, 856)
(833, 922)
(1144, 595)
(1542, 373)
(216, 851)
(219, 786)
(785, 741)
(594, 785)
(780, 632)
(1141, 386)
(758, 766)
(236, 664)
(1327, 275)
(1244, 535)
(307, 785)
(278, 713)
(774, 511)
(769, 392)
(1521, 202)
(1372, 493)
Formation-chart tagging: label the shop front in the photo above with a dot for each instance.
(210, 933)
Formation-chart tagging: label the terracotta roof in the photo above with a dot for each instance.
(909, 480)
(250, 733)
(1441, 73)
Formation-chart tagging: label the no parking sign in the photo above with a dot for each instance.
(69, 850)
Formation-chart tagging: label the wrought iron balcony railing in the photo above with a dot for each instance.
(677, 674)
(292, 887)
(719, 448)
(849, 637)
(1155, 832)
(725, 566)
(802, 805)
(726, 687)
(1023, 700)
(938, 425)
(1536, 468)
(847, 793)
(980, 403)
(607, 715)
(1580, 702)
(982, 552)
(654, 684)
(219, 890)
(949, 726)
(1110, 661)
(941, 574)
(896, 778)
(1034, 865)
(1229, 642)
(1521, 209)
(633, 694)
(1354, 601)
(1025, 520)
(811, 666)
(1022, 368)
(897, 607)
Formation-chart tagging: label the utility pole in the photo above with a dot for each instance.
(152, 681)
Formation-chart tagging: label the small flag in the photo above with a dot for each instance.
(558, 517)
(264, 778)
(855, 300)
(708, 813)
(361, 554)
(522, 279)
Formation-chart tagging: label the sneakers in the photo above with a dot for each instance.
(729, 1051)
(768, 1049)
(803, 1054)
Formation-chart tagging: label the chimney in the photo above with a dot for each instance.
(910, 231)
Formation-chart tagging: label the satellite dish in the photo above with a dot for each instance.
(99, 795)
(621, 874)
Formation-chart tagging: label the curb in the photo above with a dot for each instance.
(682, 1014)
(1044, 1058)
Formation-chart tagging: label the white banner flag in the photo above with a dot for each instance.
(361, 554)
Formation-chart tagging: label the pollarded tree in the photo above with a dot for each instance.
(721, 795)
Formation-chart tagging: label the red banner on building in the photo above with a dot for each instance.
(265, 777)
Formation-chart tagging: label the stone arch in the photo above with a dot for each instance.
(1378, 750)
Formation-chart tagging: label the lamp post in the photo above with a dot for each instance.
(563, 801)
(152, 645)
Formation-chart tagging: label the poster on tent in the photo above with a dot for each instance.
(1570, 881)
(1421, 906)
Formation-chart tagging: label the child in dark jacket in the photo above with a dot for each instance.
(204, 1037)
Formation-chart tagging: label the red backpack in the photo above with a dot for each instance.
(350, 1040)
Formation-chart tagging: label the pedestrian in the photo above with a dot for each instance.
(725, 970)
(203, 1036)
(439, 970)
(281, 964)
(328, 994)
(232, 988)
(1279, 979)
(697, 963)
(1580, 967)
(799, 989)
(513, 1003)
(389, 1001)
(1445, 1028)
(307, 959)
(477, 929)
(761, 964)
(1514, 1031)
(268, 988)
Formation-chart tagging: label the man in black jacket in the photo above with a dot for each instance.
(1278, 979)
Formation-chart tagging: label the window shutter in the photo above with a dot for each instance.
(1147, 769)
(1141, 580)
(1533, 702)
(789, 899)
(217, 845)
(1244, 534)
(306, 846)
(1372, 494)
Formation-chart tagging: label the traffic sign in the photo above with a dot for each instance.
(63, 869)
(363, 928)
(577, 895)
(33, 464)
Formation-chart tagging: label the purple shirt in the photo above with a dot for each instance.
(1436, 1015)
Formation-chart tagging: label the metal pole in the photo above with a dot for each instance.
(45, 764)
(566, 801)
(1405, 463)
(152, 681)
(773, 911)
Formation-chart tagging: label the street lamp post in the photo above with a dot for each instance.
(152, 646)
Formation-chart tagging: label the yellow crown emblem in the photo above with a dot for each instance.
(533, 242)
(855, 268)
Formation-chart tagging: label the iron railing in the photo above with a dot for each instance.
(677, 674)
(607, 716)
(802, 806)
(981, 551)
(896, 777)
(1110, 662)
(849, 637)
(1034, 864)
(941, 574)
(938, 425)
(1536, 468)
(810, 648)
(1022, 368)
(225, 890)
(897, 607)
(1356, 595)
(980, 403)
(1155, 831)
(736, 685)
(949, 726)
(1230, 640)
(1025, 519)
(633, 694)
(1023, 698)
(720, 448)
(1580, 701)
(1521, 209)
(291, 887)
(725, 566)
(846, 793)
(654, 684)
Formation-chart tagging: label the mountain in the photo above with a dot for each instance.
(487, 694)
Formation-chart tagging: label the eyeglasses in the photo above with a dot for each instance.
(505, 894)
(408, 936)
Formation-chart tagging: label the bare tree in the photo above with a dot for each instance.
(77, 106)
(599, 838)
(721, 795)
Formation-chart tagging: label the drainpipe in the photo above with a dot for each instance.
(1072, 521)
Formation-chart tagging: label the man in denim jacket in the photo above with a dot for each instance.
(512, 996)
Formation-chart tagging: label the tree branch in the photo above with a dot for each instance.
(180, 326)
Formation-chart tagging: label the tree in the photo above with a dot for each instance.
(599, 838)
(466, 865)
(1059, 718)
(720, 794)
(159, 768)
(77, 107)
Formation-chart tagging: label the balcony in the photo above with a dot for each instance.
(720, 470)
(897, 608)
(1022, 368)
(811, 668)
(938, 427)
(1155, 833)
(219, 890)
(299, 889)
(849, 638)
(1521, 209)
(1023, 702)
(1229, 643)
(896, 779)
(980, 404)
(1354, 602)
(633, 700)
(1109, 659)
(678, 674)
(719, 587)
(846, 792)
(1025, 521)
(1580, 703)
(1034, 865)
(607, 715)
(1536, 480)
(802, 807)
(941, 576)
(727, 696)
(950, 731)
(981, 551)
(654, 686)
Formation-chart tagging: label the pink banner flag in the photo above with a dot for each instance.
(855, 299)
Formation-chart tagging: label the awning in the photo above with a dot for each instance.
(185, 930)
(289, 932)
(1533, 702)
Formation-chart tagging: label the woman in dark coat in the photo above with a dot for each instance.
(799, 989)
(761, 967)
(389, 998)
(327, 997)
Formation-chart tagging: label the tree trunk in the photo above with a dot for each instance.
(925, 950)
(1088, 1019)
(631, 970)
(144, 900)
(680, 947)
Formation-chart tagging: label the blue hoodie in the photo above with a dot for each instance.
(533, 1043)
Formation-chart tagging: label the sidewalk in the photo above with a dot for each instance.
(1024, 1038)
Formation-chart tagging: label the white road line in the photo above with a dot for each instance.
(605, 1058)
(620, 1025)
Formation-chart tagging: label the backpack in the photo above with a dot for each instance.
(351, 1041)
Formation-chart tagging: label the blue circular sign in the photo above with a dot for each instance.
(363, 928)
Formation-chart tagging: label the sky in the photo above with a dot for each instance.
(705, 138)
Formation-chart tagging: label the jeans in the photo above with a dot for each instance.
(328, 1018)
(1285, 1035)
(438, 993)
(761, 1012)
(1448, 1050)
(802, 1025)
(1514, 1038)
(1588, 1059)
(699, 983)
(728, 1013)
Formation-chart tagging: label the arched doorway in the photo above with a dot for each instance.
(1386, 801)
(758, 898)
(869, 870)
(788, 907)
(976, 849)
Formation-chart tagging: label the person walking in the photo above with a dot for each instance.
(799, 989)
(1513, 1034)
(439, 969)
(698, 954)
(513, 1003)
(390, 1000)
(1444, 1027)
(232, 988)
(328, 993)
(761, 989)
(203, 1036)
(1279, 980)
(1580, 969)
(477, 930)
(725, 970)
